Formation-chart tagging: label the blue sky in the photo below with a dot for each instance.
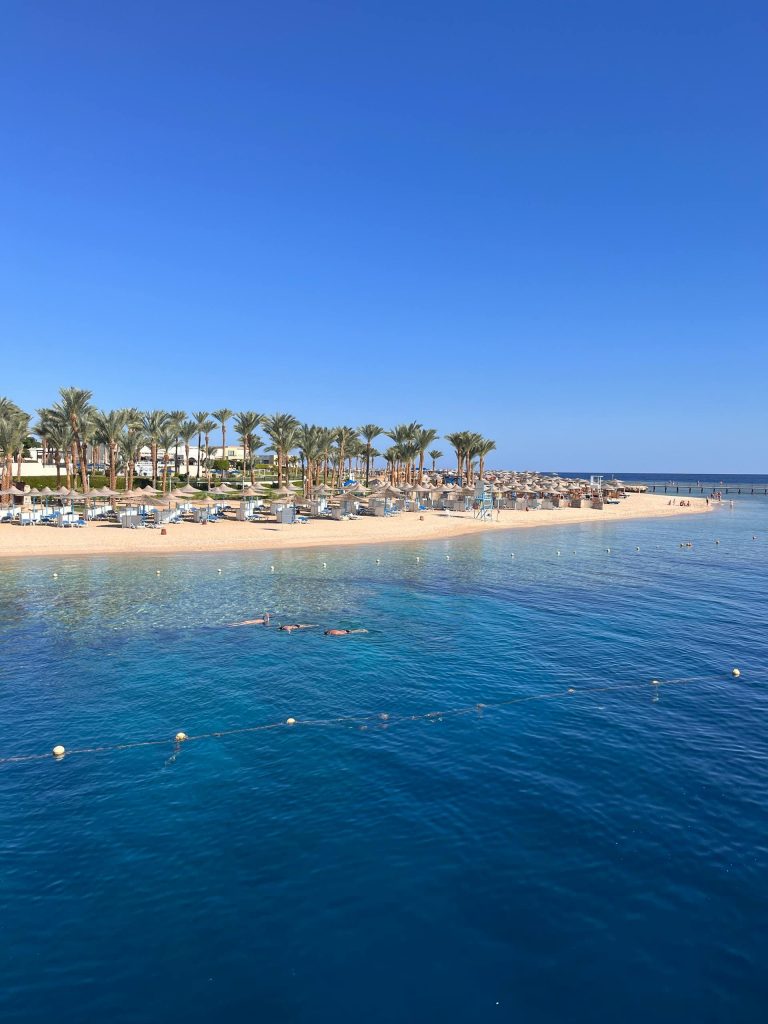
(545, 221)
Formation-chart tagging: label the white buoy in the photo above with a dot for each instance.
(290, 721)
(325, 565)
(55, 575)
(157, 572)
(218, 570)
(180, 737)
(417, 558)
(447, 558)
(608, 551)
(58, 751)
(637, 549)
(378, 561)
(735, 673)
(655, 682)
(271, 568)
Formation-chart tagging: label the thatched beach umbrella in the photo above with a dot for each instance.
(285, 492)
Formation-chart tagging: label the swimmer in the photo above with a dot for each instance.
(343, 632)
(264, 621)
(298, 625)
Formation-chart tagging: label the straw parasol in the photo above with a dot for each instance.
(285, 491)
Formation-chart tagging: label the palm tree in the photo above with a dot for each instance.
(474, 444)
(199, 418)
(58, 435)
(109, 429)
(345, 440)
(130, 444)
(176, 418)
(485, 448)
(187, 431)
(457, 441)
(309, 443)
(207, 426)
(246, 424)
(222, 415)
(47, 422)
(76, 406)
(423, 438)
(369, 432)
(404, 435)
(434, 454)
(154, 423)
(282, 430)
(254, 443)
(167, 439)
(14, 431)
(325, 438)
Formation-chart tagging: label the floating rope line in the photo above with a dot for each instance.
(364, 720)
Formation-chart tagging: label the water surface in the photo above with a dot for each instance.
(592, 856)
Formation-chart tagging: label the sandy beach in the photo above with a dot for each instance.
(228, 535)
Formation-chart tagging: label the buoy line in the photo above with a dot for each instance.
(363, 720)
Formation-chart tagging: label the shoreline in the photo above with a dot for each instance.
(231, 536)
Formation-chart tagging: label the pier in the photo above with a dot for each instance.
(697, 489)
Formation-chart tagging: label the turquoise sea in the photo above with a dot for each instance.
(600, 855)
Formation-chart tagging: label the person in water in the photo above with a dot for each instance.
(264, 621)
(343, 632)
(298, 625)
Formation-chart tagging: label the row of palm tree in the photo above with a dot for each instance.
(67, 428)
(469, 446)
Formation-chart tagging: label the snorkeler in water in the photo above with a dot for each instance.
(263, 621)
(291, 626)
(343, 632)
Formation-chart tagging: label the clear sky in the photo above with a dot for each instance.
(545, 221)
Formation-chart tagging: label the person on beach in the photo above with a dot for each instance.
(343, 632)
(298, 625)
(264, 621)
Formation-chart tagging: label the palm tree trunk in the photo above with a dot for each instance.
(199, 448)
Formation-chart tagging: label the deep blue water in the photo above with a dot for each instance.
(598, 856)
(758, 481)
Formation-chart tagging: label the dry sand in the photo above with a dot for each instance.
(107, 539)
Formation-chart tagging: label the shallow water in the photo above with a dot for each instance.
(593, 856)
